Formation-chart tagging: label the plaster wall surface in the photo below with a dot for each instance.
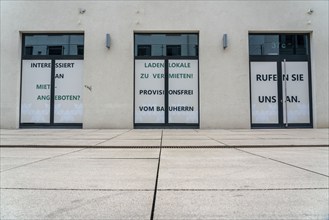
(224, 74)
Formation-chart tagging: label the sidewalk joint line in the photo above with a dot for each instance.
(258, 189)
(156, 180)
(73, 189)
(89, 132)
(216, 141)
(44, 159)
(162, 190)
(112, 137)
(282, 162)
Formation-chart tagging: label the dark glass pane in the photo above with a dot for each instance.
(263, 44)
(28, 50)
(173, 50)
(301, 45)
(80, 49)
(55, 50)
(287, 42)
(144, 50)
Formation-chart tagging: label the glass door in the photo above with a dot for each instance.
(150, 91)
(280, 81)
(166, 81)
(264, 93)
(52, 80)
(36, 90)
(280, 94)
(295, 92)
(183, 101)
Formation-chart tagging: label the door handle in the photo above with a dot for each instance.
(285, 91)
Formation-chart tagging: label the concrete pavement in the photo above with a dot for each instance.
(164, 174)
(164, 183)
(163, 138)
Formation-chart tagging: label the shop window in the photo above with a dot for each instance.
(53, 44)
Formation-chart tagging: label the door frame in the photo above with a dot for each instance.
(51, 123)
(166, 124)
(279, 59)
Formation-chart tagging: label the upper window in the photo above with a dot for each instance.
(166, 45)
(278, 44)
(53, 44)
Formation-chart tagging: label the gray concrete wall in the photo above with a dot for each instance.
(224, 74)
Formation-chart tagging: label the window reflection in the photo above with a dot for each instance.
(54, 44)
(264, 45)
(166, 45)
(278, 44)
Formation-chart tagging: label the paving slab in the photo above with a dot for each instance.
(16, 157)
(170, 137)
(84, 173)
(68, 204)
(10, 163)
(229, 169)
(185, 137)
(37, 152)
(96, 136)
(190, 143)
(275, 142)
(315, 159)
(263, 205)
(129, 143)
(50, 142)
(115, 153)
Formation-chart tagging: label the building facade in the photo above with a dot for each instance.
(164, 64)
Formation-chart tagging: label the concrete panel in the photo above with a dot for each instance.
(130, 143)
(191, 142)
(54, 142)
(35, 153)
(315, 159)
(137, 153)
(9, 163)
(229, 169)
(75, 204)
(84, 173)
(276, 204)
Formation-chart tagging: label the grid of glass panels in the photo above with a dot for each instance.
(278, 44)
(166, 45)
(53, 44)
